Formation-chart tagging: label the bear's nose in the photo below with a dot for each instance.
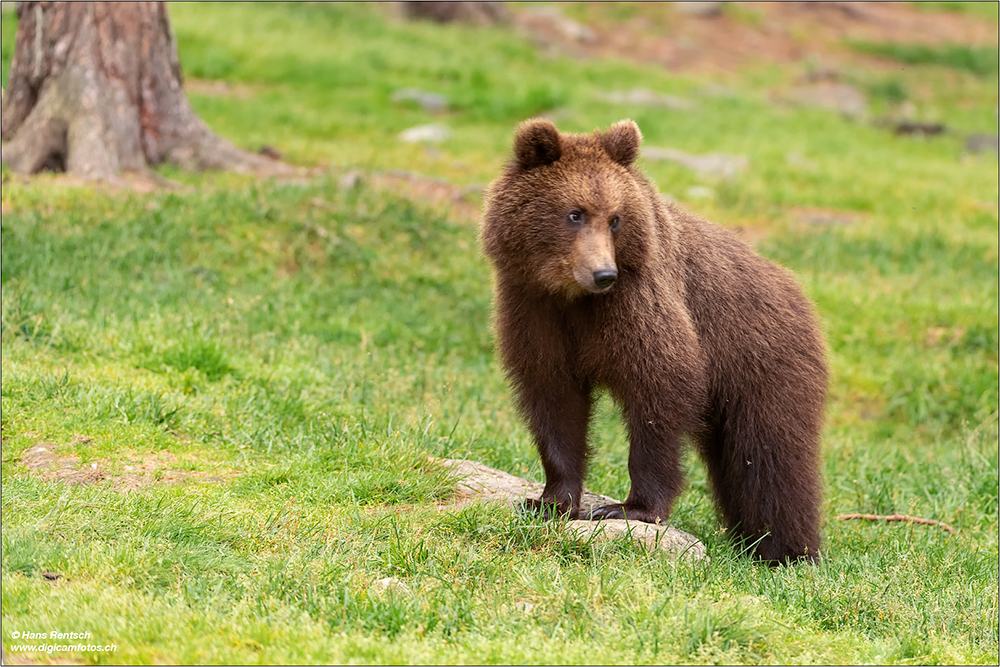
(605, 278)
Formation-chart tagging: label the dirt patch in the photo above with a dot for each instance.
(43, 461)
(742, 33)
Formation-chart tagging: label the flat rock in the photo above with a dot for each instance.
(431, 102)
(479, 482)
(653, 536)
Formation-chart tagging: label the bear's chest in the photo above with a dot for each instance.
(607, 338)
(594, 341)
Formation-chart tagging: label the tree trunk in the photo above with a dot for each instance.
(95, 89)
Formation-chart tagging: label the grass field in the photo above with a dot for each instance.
(259, 372)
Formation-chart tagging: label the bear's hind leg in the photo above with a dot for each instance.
(765, 475)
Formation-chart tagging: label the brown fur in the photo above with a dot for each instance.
(697, 334)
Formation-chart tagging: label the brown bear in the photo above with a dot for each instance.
(599, 282)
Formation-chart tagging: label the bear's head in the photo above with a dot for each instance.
(569, 215)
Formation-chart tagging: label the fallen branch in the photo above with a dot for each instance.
(897, 517)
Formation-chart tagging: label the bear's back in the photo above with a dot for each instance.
(752, 319)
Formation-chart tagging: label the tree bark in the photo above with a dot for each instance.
(95, 88)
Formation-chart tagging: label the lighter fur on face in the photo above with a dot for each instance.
(593, 250)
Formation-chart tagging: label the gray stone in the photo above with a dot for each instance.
(390, 584)
(980, 143)
(431, 102)
(652, 536)
(646, 97)
(708, 164)
(434, 132)
(841, 97)
(479, 482)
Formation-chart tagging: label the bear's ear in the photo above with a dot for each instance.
(621, 142)
(537, 144)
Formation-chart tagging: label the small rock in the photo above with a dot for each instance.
(841, 97)
(431, 102)
(434, 132)
(709, 164)
(393, 584)
(646, 97)
(980, 143)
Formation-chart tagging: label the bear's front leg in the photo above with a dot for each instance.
(558, 414)
(653, 466)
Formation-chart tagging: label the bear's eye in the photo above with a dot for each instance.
(576, 217)
(616, 222)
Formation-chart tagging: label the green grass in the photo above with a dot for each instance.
(978, 60)
(301, 349)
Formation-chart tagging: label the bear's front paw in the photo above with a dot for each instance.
(622, 511)
(548, 509)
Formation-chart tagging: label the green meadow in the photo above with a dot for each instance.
(260, 370)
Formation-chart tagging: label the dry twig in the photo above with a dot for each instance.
(897, 517)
